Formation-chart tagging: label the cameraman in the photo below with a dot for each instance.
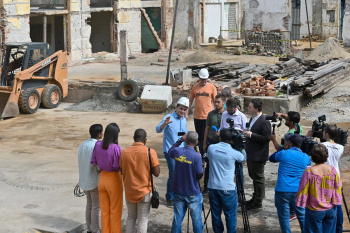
(292, 120)
(335, 151)
(222, 188)
(290, 170)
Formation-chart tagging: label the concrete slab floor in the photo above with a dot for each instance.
(39, 171)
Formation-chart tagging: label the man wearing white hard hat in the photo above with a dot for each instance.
(174, 125)
(203, 93)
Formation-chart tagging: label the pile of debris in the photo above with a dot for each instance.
(258, 86)
(323, 78)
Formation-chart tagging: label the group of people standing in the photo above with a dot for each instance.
(105, 171)
(311, 194)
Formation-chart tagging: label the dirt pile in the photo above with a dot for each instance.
(327, 50)
(202, 56)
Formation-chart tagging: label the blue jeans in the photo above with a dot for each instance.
(223, 200)
(283, 202)
(194, 204)
(171, 164)
(339, 228)
(321, 221)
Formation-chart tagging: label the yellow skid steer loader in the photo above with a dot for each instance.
(31, 74)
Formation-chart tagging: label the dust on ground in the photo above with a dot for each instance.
(327, 50)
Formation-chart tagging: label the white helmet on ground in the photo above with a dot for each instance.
(203, 74)
(184, 101)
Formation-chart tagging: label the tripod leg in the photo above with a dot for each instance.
(188, 220)
(205, 223)
(346, 206)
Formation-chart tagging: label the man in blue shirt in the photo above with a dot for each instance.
(185, 183)
(88, 178)
(290, 170)
(222, 188)
(173, 124)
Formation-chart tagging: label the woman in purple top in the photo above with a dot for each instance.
(110, 186)
(320, 192)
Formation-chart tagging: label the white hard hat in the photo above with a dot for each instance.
(184, 101)
(203, 74)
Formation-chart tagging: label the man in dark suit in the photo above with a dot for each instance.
(257, 150)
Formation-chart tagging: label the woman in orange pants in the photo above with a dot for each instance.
(110, 186)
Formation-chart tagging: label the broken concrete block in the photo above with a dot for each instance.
(156, 99)
(161, 59)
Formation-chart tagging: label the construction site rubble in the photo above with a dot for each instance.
(270, 41)
(258, 86)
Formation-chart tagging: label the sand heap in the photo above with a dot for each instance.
(327, 50)
(202, 56)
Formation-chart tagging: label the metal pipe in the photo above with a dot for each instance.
(64, 32)
(171, 43)
(308, 24)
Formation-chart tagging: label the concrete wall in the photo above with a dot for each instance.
(129, 18)
(303, 18)
(322, 24)
(268, 14)
(187, 23)
(16, 13)
(346, 24)
(79, 30)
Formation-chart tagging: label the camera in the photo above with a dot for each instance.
(239, 139)
(274, 119)
(318, 127)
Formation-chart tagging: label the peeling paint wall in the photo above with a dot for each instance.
(268, 14)
(303, 17)
(330, 18)
(346, 24)
(17, 16)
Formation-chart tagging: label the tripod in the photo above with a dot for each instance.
(241, 198)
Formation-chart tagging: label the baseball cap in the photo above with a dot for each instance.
(295, 139)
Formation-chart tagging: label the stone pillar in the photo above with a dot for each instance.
(79, 46)
(346, 24)
(129, 19)
(167, 21)
(16, 14)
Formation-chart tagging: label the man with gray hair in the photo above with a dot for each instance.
(185, 183)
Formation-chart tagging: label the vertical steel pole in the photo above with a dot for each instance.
(171, 44)
(308, 24)
(44, 28)
(123, 56)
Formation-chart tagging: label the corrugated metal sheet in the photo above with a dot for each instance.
(295, 35)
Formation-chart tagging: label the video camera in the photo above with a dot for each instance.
(273, 120)
(239, 139)
(319, 126)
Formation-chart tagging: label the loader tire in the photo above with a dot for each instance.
(128, 91)
(51, 96)
(29, 101)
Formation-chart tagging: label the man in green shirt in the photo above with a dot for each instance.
(210, 135)
(292, 119)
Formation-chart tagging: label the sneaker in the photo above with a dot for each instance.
(292, 217)
(170, 203)
(205, 191)
(253, 206)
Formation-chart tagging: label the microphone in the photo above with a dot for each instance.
(214, 128)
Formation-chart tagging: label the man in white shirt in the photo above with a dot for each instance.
(88, 178)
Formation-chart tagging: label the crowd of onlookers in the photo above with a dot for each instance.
(312, 194)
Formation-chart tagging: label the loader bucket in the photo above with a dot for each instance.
(8, 107)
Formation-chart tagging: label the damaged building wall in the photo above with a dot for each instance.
(187, 24)
(268, 14)
(16, 14)
(327, 21)
(79, 31)
(346, 24)
(303, 17)
(129, 19)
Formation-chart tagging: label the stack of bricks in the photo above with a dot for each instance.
(258, 86)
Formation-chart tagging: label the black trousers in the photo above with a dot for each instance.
(200, 125)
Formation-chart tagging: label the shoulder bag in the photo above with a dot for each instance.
(155, 194)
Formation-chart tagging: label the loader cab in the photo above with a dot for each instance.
(21, 56)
